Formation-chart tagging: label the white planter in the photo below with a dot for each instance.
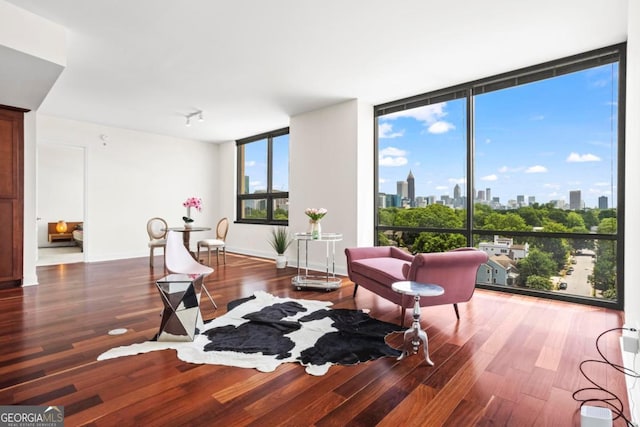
(281, 261)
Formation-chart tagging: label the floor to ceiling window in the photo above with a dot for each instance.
(524, 166)
(263, 178)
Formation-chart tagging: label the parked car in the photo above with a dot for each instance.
(562, 286)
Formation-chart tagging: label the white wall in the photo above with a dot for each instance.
(330, 166)
(60, 177)
(30, 247)
(632, 177)
(632, 201)
(131, 177)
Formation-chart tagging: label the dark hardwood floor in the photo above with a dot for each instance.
(509, 361)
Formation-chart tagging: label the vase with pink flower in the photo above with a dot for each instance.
(315, 215)
(191, 202)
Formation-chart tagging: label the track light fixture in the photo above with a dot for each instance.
(189, 116)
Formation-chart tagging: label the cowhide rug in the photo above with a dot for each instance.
(265, 331)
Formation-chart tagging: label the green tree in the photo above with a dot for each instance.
(590, 217)
(557, 215)
(604, 270)
(575, 222)
(608, 226)
(387, 216)
(505, 221)
(537, 263)
(538, 282)
(438, 242)
(280, 213)
(558, 249)
(480, 214)
(533, 217)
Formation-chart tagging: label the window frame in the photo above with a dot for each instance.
(270, 195)
(579, 62)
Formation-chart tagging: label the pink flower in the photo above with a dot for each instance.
(193, 202)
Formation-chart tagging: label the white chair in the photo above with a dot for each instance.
(218, 243)
(179, 260)
(157, 231)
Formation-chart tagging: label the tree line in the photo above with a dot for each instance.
(547, 255)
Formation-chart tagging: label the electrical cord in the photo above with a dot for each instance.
(606, 397)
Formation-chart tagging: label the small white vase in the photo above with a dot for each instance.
(188, 225)
(281, 261)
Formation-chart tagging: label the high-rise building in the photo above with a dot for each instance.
(487, 194)
(520, 199)
(402, 189)
(603, 202)
(481, 195)
(531, 200)
(411, 184)
(575, 200)
(382, 200)
(456, 192)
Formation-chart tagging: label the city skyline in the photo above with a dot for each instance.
(405, 192)
(542, 139)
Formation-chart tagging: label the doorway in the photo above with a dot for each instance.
(60, 197)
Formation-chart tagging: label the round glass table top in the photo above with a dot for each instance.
(415, 288)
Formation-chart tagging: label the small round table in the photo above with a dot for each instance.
(415, 334)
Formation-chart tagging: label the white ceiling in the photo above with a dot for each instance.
(251, 64)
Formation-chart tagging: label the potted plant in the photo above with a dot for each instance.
(280, 241)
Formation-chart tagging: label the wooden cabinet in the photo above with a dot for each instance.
(11, 195)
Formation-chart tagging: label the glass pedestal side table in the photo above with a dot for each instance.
(327, 281)
(414, 335)
(180, 295)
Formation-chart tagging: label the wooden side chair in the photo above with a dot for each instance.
(157, 230)
(218, 243)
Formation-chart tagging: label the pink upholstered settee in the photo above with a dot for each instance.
(377, 268)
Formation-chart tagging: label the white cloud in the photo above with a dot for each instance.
(442, 187)
(440, 127)
(457, 180)
(536, 169)
(249, 163)
(602, 184)
(430, 115)
(392, 156)
(578, 158)
(492, 177)
(507, 169)
(552, 186)
(537, 118)
(392, 161)
(385, 130)
(600, 83)
(487, 141)
(382, 180)
(392, 151)
(255, 184)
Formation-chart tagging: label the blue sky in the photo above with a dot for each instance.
(256, 164)
(542, 139)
